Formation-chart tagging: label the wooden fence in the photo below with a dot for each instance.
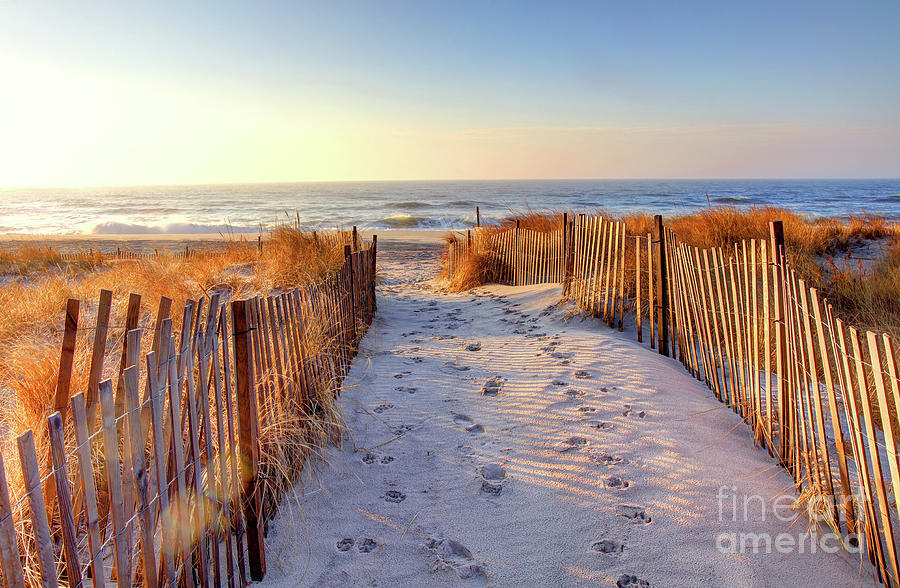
(518, 257)
(161, 471)
(819, 395)
(336, 238)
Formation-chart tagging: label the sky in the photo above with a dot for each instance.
(135, 92)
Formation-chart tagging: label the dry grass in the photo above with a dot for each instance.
(34, 304)
(28, 259)
(865, 295)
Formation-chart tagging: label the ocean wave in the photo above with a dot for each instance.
(732, 199)
(402, 221)
(119, 228)
(408, 221)
(462, 203)
(407, 205)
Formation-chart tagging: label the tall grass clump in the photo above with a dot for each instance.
(473, 271)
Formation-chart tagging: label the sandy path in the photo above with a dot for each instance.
(490, 442)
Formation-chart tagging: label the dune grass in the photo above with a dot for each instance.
(29, 259)
(34, 302)
(866, 294)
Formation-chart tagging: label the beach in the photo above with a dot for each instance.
(494, 437)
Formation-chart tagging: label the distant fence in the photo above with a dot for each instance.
(158, 474)
(819, 395)
(91, 254)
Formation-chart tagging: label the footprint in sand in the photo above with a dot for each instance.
(609, 546)
(629, 411)
(371, 458)
(560, 383)
(461, 419)
(366, 545)
(492, 386)
(631, 581)
(633, 513)
(586, 409)
(452, 555)
(607, 459)
(407, 389)
(583, 374)
(382, 407)
(473, 347)
(574, 393)
(493, 476)
(571, 443)
(455, 366)
(476, 428)
(616, 482)
(345, 544)
(493, 471)
(602, 425)
(491, 488)
(401, 375)
(394, 496)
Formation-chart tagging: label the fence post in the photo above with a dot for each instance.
(516, 254)
(354, 240)
(63, 381)
(477, 217)
(248, 439)
(373, 252)
(9, 547)
(351, 285)
(776, 237)
(662, 288)
(564, 258)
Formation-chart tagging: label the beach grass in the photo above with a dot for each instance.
(854, 262)
(35, 301)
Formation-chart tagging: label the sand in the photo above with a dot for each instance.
(494, 439)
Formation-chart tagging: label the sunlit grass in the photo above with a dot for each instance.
(865, 294)
(34, 303)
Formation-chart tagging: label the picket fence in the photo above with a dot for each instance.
(172, 485)
(333, 238)
(819, 395)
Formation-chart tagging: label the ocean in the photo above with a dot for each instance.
(243, 208)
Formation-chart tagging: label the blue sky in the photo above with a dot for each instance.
(281, 91)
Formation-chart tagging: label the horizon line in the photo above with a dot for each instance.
(412, 180)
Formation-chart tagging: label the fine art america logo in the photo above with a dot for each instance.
(815, 535)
